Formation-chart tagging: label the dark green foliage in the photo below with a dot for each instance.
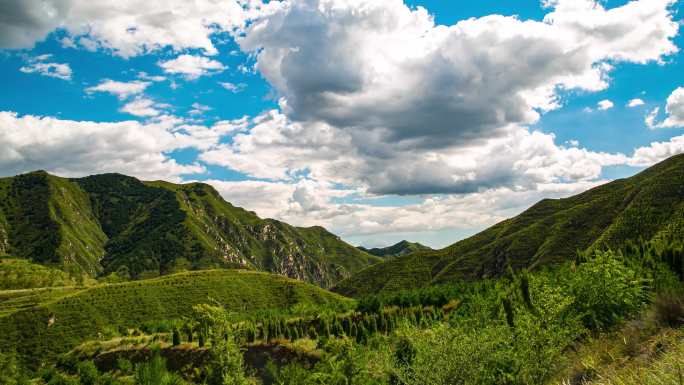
(125, 366)
(508, 311)
(10, 370)
(648, 206)
(87, 372)
(200, 339)
(524, 281)
(475, 343)
(176, 337)
(438, 296)
(143, 224)
(34, 233)
(155, 373)
(405, 353)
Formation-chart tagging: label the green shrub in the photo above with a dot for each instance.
(124, 365)
(225, 366)
(154, 372)
(88, 373)
(606, 290)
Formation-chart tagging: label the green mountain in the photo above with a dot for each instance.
(117, 224)
(647, 206)
(44, 322)
(396, 250)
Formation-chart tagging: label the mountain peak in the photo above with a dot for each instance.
(398, 249)
(109, 223)
(647, 206)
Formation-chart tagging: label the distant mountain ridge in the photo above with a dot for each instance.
(647, 206)
(111, 223)
(401, 248)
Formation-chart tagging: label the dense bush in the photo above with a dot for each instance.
(606, 290)
(155, 373)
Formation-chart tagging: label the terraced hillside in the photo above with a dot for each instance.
(44, 322)
(646, 206)
(113, 223)
(396, 250)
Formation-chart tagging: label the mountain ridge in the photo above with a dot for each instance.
(112, 223)
(398, 249)
(647, 206)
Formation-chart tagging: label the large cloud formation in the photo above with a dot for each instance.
(381, 66)
(275, 148)
(408, 106)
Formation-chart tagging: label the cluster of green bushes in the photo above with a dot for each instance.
(511, 331)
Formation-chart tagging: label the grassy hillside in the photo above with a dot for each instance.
(22, 274)
(49, 220)
(113, 223)
(43, 322)
(648, 206)
(241, 237)
(396, 250)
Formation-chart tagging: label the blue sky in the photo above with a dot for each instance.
(326, 163)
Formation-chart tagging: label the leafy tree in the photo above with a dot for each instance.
(88, 373)
(201, 340)
(226, 366)
(606, 290)
(155, 372)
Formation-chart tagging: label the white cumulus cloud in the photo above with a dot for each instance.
(605, 105)
(125, 27)
(122, 90)
(142, 107)
(40, 65)
(635, 103)
(674, 110)
(192, 66)
(77, 148)
(232, 87)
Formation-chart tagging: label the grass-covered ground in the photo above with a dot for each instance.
(647, 350)
(18, 273)
(40, 323)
